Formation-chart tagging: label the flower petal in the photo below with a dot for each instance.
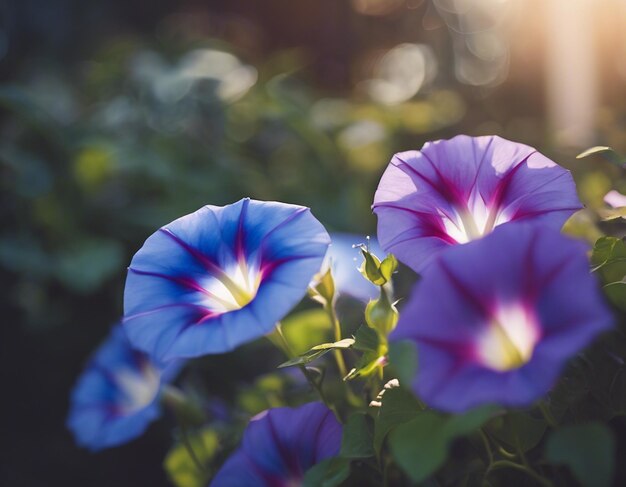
(220, 277)
(116, 397)
(495, 320)
(280, 445)
(457, 190)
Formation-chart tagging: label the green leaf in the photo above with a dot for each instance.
(366, 339)
(388, 266)
(398, 406)
(345, 343)
(616, 292)
(306, 329)
(608, 251)
(357, 437)
(324, 289)
(420, 446)
(182, 470)
(403, 360)
(605, 152)
(463, 424)
(317, 351)
(608, 258)
(328, 473)
(366, 365)
(587, 449)
(517, 430)
(371, 268)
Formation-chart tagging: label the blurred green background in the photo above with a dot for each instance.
(118, 116)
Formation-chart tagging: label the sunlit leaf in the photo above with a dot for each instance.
(306, 329)
(366, 339)
(317, 351)
(603, 151)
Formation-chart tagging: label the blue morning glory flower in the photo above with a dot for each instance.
(454, 191)
(280, 445)
(344, 261)
(496, 320)
(220, 277)
(117, 396)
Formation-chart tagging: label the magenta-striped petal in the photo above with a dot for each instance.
(454, 191)
(220, 277)
(116, 397)
(496, 320)
(280, 445)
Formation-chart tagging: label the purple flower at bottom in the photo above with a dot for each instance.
(280, 445)
(495, 320)
(117, 396)
(454, 191)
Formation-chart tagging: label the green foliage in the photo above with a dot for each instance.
(328, 473)
(182, 469)
(609, 260)
(587, 449)
(324, 289)
(517, 430)
(398, 406)
(305, 329)
(421, 446)
(317, 352)
(403, 360)
(382, 314)
(605, 152)
(366, 339)
(371, 268)
(374, 270)
(357, 437)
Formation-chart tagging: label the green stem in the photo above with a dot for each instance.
(185, 413)
(187, 444)
(341, 365)
(516, 466)
(278, 338)
(483, 436)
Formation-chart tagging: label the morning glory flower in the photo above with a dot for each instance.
(344, 260)
(220, 277)
(280, 445)
(117, 395)
(495, 320)
(454, 191)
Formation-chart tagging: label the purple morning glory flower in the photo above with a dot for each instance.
(457, 190)
(220, 277)
(280, 445)
(345, 260)
(495, 320)
(117, 396)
